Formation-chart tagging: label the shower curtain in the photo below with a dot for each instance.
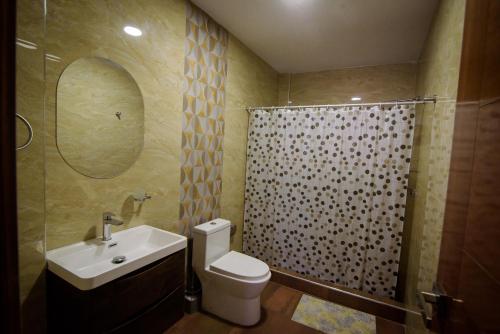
(326, 190)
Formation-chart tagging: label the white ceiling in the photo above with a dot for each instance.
(313, 35)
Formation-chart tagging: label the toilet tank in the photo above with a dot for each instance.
(210, 242)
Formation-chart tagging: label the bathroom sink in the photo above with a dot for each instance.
(92, 263)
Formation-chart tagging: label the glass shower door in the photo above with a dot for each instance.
(30, 161)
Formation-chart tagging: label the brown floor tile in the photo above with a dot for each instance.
(282, 300)
(278, 304)
(199, 323)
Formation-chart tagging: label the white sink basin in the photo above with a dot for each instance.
(87, 264)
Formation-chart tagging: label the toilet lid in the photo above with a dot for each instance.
(240, 266)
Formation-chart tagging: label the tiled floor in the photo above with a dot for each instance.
(279, 303)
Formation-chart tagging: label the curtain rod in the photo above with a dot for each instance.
(396, 102)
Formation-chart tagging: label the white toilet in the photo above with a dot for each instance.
(231, 282)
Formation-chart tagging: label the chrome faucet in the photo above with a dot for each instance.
(107, 221)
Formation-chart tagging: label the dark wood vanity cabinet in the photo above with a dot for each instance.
(146, 301)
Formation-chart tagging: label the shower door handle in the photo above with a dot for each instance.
(434, 304)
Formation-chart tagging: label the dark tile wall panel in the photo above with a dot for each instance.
(469, 267)
(482, 236)
(481, 295)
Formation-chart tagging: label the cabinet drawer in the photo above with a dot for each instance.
(156, 319)
(138, 290)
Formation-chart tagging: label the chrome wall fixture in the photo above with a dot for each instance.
(30, 132)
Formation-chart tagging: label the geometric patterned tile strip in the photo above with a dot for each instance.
(205, 71)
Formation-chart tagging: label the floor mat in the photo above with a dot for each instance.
(331, 318)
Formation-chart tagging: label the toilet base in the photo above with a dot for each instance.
(245, 312)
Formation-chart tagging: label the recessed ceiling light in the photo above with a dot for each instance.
(355, 98)
(132, 31)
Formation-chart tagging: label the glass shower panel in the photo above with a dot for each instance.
(30, 161)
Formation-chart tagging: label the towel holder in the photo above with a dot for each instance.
(30, 132)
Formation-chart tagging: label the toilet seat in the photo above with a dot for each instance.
(240, 266)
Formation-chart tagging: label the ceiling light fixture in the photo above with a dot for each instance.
(355, 98)
(132, 31)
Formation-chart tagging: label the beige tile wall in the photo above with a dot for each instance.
(250, 82)
(74, 202)
(438, 75)
(338, 86)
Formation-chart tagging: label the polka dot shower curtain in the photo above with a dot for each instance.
(326, 190)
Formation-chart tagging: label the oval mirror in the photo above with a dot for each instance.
(100, 117)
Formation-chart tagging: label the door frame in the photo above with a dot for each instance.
(9, 278)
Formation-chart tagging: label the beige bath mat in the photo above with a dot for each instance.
(331, 318)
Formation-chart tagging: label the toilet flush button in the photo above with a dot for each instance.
(213, 223)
